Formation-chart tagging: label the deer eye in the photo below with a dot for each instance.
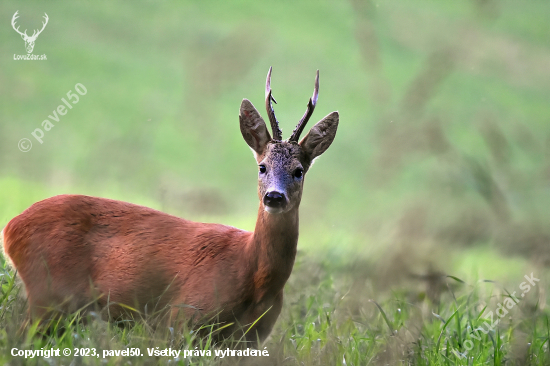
(298, 173)
(262, 169)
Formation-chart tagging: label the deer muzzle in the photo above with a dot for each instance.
(275, 202)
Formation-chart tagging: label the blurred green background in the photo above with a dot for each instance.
(442, 158)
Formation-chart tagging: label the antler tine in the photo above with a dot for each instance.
(13, 19)
(15, 16)
(310, 107)
(277, 134)
(43, 25)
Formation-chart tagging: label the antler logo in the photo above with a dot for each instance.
(29, 41)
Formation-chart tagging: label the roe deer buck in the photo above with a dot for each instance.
(72, 251)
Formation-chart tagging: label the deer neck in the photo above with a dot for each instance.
(273, 250)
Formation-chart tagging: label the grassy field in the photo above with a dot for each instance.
(421, 220)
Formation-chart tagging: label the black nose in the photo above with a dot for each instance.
(275, 199)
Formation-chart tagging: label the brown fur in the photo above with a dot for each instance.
(74, 252)
(135, 255)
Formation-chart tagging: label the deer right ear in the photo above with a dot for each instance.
(320, 136)
(253, 128)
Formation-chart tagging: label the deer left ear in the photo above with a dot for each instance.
(320, 136)
(253, 128)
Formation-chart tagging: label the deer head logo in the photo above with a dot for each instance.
(29, 41)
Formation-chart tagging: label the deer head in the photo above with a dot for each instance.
(283, 164)
(29, 41)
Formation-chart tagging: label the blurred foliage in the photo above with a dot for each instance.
(444, 111)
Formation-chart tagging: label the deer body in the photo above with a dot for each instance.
(74, 251)
(146, 257)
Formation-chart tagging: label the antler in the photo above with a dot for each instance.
(15, 16)
(310, 107)
(277, 134)
(35, 34)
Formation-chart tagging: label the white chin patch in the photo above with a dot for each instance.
(273, 210)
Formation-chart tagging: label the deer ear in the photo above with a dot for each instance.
(319, 138)
(253, 128)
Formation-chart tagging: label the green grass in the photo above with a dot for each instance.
(329, 317)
